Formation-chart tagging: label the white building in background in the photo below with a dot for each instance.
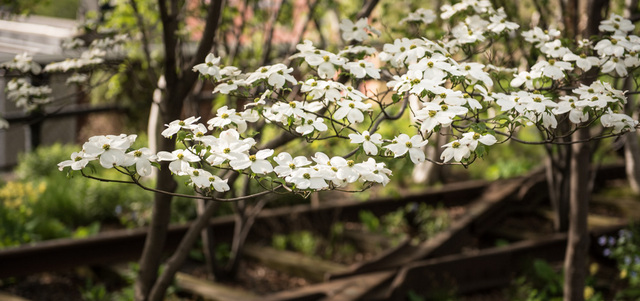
(42, 38)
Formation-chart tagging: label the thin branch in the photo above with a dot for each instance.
(552, 141)
(145, 40)
(367, 9)
(268, 39)
(189, 196)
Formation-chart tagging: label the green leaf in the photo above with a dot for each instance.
(480, 151)
(181, 135)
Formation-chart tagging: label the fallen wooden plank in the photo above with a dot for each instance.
(513, 235)
(293, 263)
(367, 241)
(593, 220)
(9, 297)
(628, 207)
(459, 234)
(458, 273)
(351, 288)
(478, 270)
(210, 290)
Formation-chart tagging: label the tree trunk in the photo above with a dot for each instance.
(632, 159)
(175, 261)
(558, 173)
(631, 147)
(575, 264)
(179, 82)
(160, 219)
(207, 241)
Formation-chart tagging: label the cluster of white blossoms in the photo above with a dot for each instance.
(90, 57)
(616, 53)
(230, 151)
(485, 22)
(461, 148)
(87, 59)
(24, 63)
(112, 151)
(358, 31)
(27, 96)
(20, 90)
(421, 15)
(449, 97)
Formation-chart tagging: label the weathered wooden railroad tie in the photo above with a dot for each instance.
(424, 268)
